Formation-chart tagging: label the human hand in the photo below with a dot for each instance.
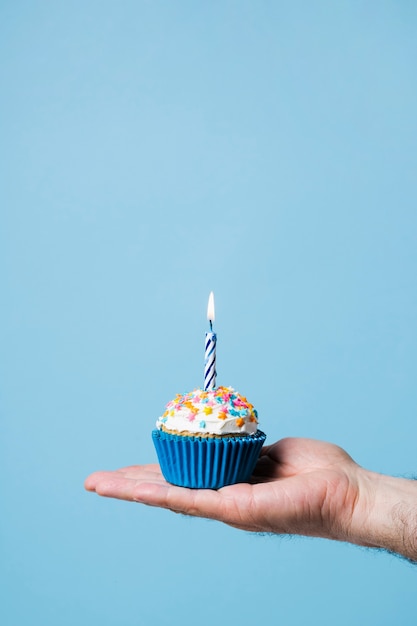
(299, 486)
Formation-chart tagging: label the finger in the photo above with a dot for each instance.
(135, 471)
(119, 487)
(142, 484)
(140, 472)
(99, 480)
(91, 481)
(195, 502)
(230, 505)
(151, 467)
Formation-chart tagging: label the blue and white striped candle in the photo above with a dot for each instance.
(210, 349)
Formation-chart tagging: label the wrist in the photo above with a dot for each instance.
(385, 515)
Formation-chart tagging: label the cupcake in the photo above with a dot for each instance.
(208, 439)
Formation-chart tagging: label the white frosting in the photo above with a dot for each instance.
(221, 411)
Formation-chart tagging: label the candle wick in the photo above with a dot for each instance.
(211, 326)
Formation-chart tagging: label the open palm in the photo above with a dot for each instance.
(299, 486)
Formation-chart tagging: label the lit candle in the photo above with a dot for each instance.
(210, 349)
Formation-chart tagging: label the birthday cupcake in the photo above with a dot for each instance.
(208, 439)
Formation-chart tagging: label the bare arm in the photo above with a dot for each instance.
(300, 486)
(387, 516)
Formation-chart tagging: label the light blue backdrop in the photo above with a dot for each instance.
(152, 152)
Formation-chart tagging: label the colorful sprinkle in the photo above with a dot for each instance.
(221, 404)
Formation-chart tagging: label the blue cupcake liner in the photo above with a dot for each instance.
(206, 462)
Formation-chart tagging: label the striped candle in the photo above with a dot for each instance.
(210, 349)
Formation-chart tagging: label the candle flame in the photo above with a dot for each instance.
(210, 308)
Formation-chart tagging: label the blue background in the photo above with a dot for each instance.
(154, 151)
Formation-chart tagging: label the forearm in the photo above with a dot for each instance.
(386, 514)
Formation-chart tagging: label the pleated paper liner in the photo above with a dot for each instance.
(207, 463)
